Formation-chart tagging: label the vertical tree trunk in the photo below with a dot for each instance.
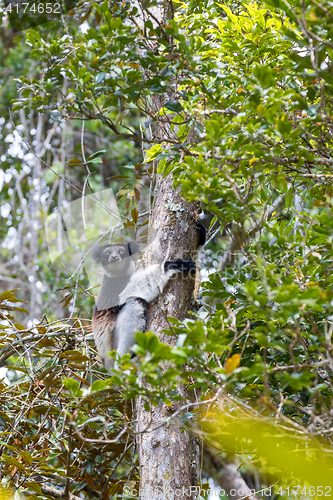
(165, 452)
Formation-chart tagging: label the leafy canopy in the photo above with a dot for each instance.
(249, 135)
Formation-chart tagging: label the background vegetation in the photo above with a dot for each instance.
(245, 109)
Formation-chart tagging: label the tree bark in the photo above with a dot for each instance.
(164, 450)
(227, 476)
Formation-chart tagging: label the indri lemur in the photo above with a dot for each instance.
(122, 302)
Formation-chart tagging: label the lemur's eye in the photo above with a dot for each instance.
(108, 252)
(121, 251)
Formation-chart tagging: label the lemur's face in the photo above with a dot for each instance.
(112, 258)
(113, 253)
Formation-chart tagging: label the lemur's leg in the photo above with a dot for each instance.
(145, 286)
(131, 319)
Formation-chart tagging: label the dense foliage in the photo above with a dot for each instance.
(244, 125)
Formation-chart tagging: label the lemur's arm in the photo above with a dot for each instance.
(147, 283)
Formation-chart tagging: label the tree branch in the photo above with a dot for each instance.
(53, 492)
(239, 236)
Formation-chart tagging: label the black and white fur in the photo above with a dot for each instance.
(125, 293)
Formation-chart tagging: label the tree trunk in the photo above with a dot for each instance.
(165, 452)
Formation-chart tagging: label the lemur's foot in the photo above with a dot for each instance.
(181, 265)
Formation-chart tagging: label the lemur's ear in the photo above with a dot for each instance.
(202, 231)
(133, 247)
(96, 253)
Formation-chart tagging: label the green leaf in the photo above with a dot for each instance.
(233, 18)
(34, 486)
(96, 155)
(153, 152)
(27, 457)
(14, 461)
(19, 326)
(100, 77)
(95, 160)
(101, 385)
(73, 162)
(265, 75)
(174, 106)
(73, 387)
(135, 215)
(10, 296)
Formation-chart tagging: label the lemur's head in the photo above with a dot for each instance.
(114, 257)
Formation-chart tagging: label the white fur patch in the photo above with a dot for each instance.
(131, 319)
(146, 284)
